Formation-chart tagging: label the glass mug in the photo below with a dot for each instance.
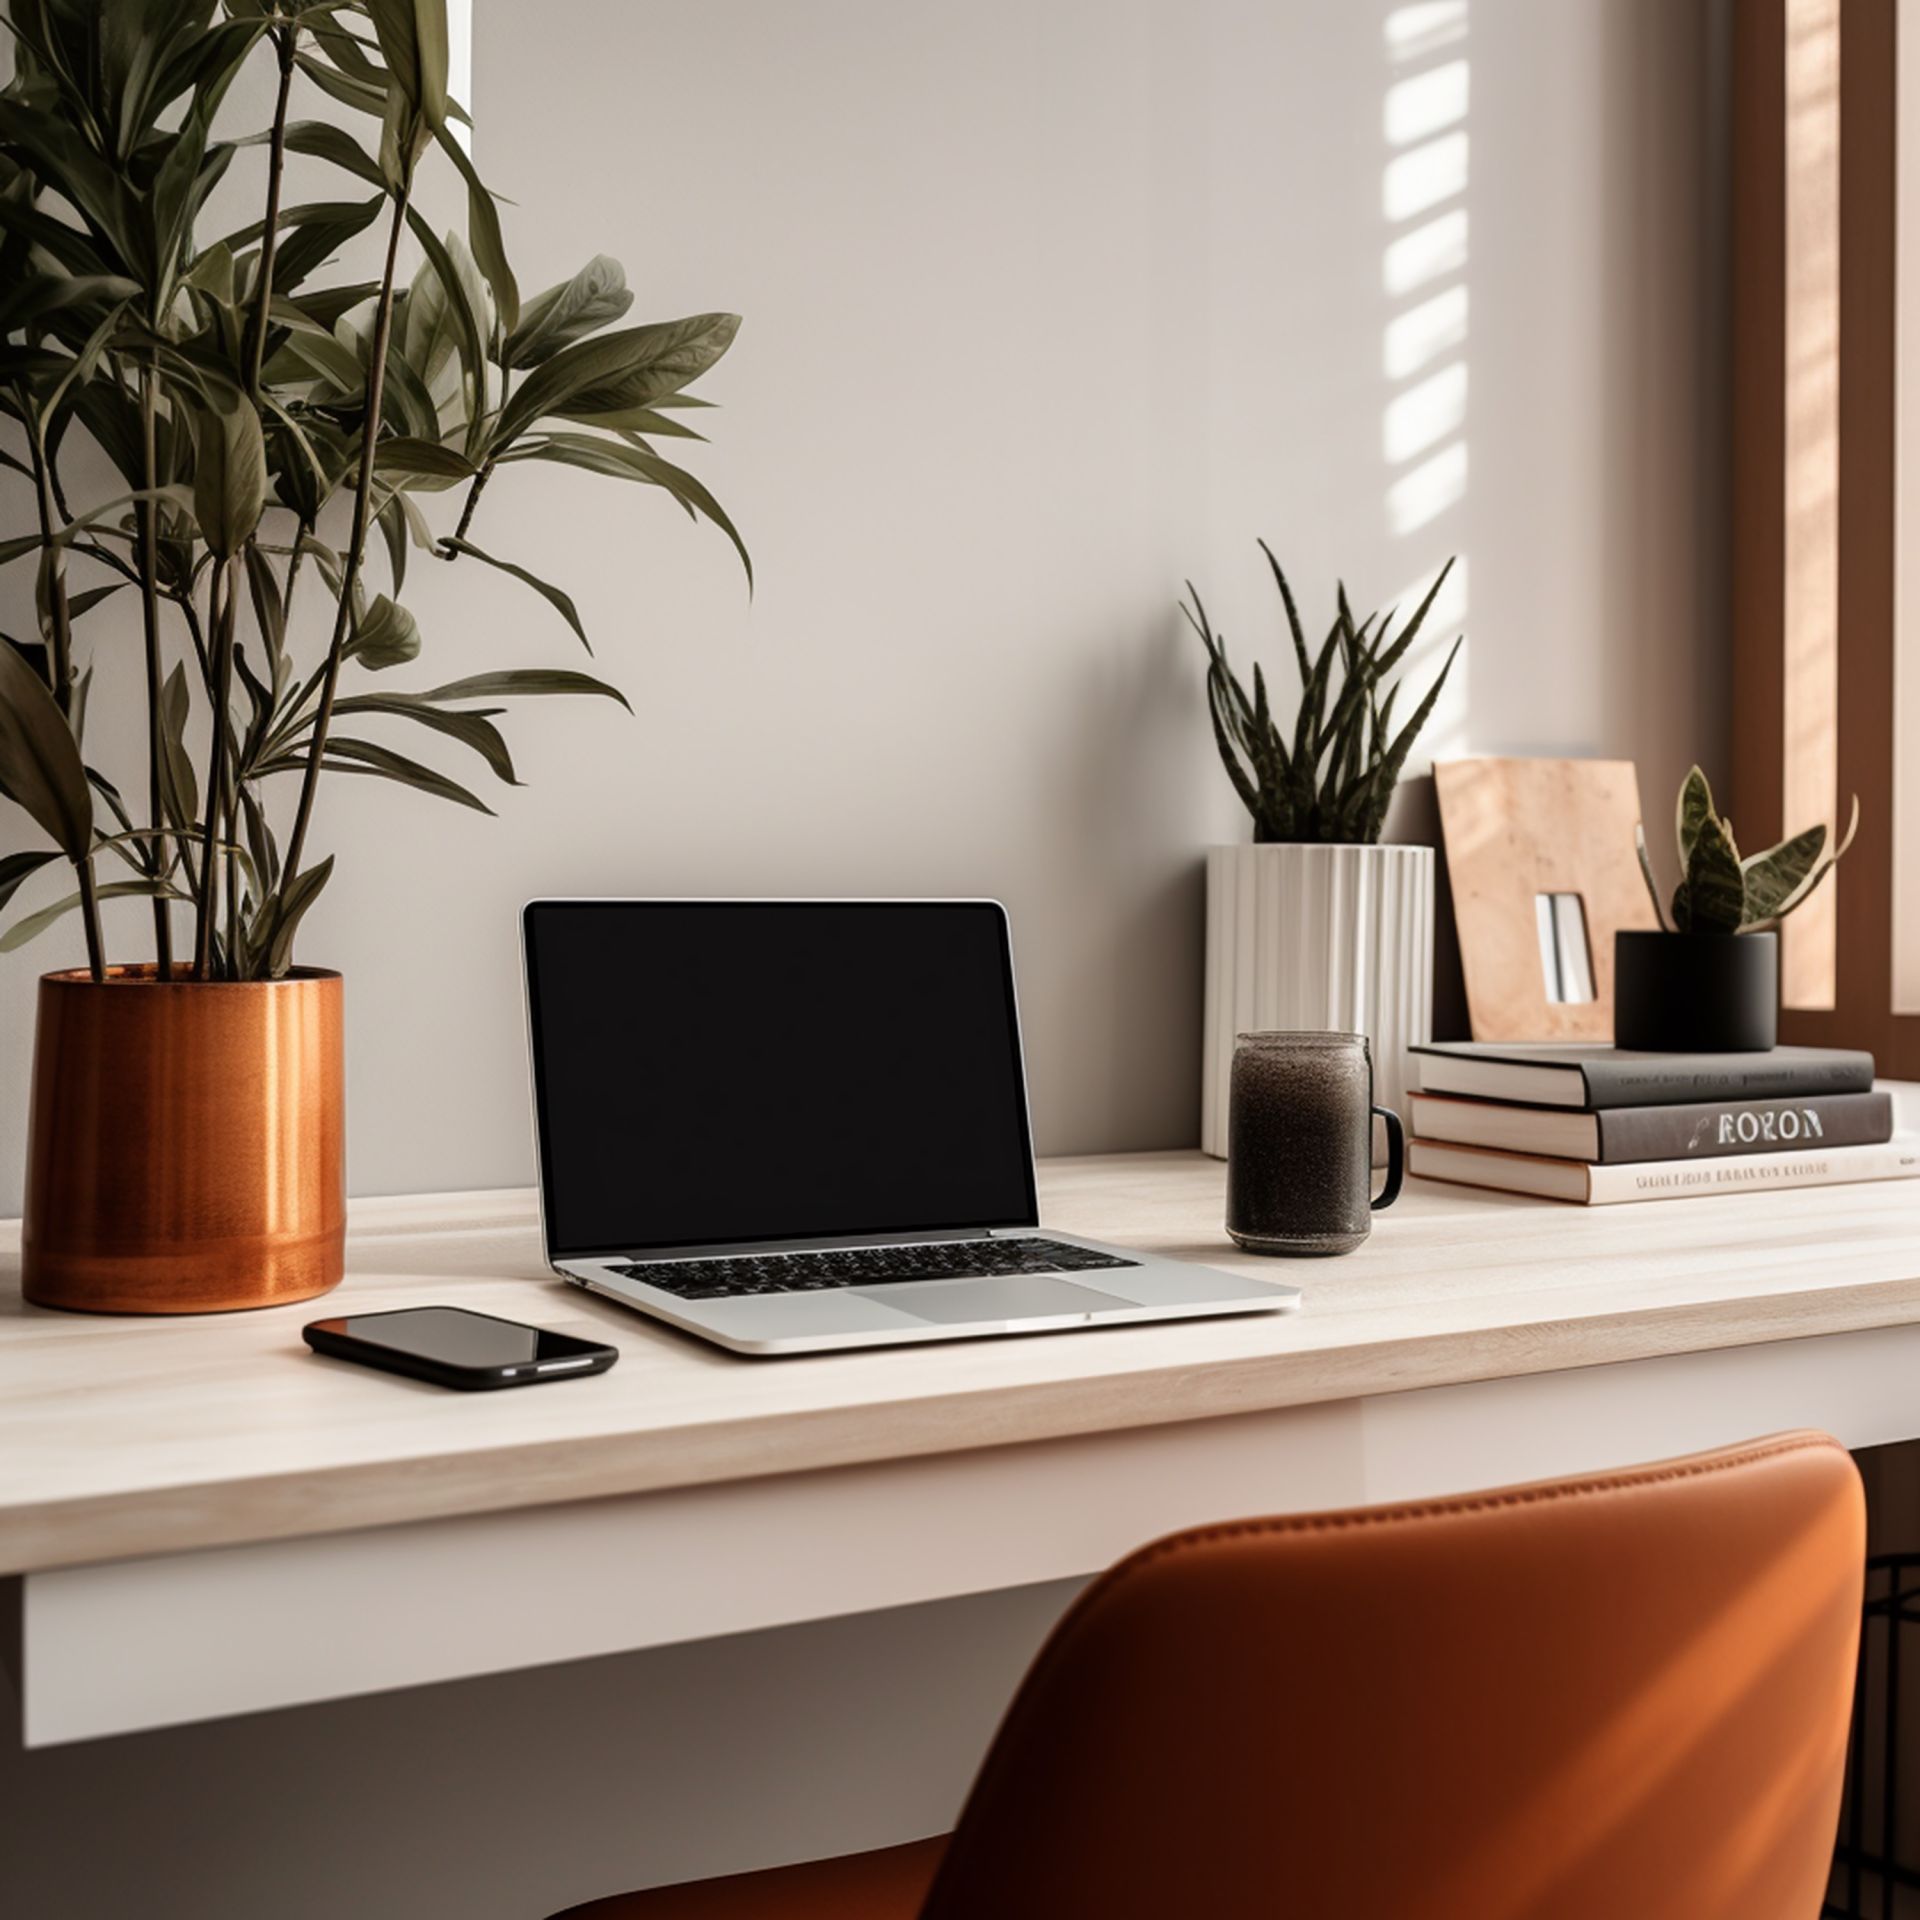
(1300, 1143)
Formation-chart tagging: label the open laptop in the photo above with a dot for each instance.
(788, 1125)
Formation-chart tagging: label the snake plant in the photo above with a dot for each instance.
(1329, 779)
(1719, 892)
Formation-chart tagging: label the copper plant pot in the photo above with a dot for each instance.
(186, 1147)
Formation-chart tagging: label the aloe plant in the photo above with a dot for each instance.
(1331, 779)
(264, 426)
(1719, 891)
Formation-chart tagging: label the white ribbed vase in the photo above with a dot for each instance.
(1338, 939)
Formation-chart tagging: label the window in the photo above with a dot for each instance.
(1822, 707)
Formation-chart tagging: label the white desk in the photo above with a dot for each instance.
(292, 1529)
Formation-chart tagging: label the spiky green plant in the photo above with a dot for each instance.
(263, 426)
(1332, 780)
(1719, 892)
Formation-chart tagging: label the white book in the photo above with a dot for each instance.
(1599, 1186)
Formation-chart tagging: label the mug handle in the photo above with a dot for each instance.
(1396, 1159)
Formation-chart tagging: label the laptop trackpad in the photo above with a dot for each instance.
(1014, 1296)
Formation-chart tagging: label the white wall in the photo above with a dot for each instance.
(1047, 306)
(1049, 303)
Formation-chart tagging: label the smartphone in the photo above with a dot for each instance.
(455, 1348)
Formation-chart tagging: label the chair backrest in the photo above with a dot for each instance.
(1624, 1697)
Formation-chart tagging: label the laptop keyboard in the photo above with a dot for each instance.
(865, 1266)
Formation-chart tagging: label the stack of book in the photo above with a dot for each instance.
(1600, 1124)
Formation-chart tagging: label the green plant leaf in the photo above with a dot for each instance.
(561, 602)
(329, 357)
(393, 529)
(483, 230)
(288, 911)
(260, 840)
(1692, 811)
(384, 636)
(467, 312)
(186, 175)
(229, 472)
(1294, 629)
(360, 95)
(16, 868)
(1772, 877)
(422, 459)
(414, 42)
(36, 924)
(1387, 775)
(321, 140)
(212, 274)
(269, 611)
(633, 367)
(521, 682)
(595, 297)
(471, 729)
(40, 765)
(362, 756)
(82, 603)
(1240, 729)
(105, 788)
(624, 461)
(38, 297)
(1715, 890)
(318, 237)
(1646, 874)
(1381, 656)
(1819, 873)
(650, 421)
(408, 407)
(106, 202)
(69, 245)
(179, 787)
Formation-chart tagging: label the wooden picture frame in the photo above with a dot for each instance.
(1522, 832)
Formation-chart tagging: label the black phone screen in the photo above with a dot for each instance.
(453, 1340)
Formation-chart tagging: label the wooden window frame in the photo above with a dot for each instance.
(1862, 1014)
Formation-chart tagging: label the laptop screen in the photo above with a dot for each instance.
(719, 1071)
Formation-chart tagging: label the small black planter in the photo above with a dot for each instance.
(1696, 992)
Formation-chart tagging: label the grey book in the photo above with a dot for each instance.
(1693, 1131)
(1592, 1078)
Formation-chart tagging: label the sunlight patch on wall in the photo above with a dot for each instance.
(1429, 176)
(1428, 253)
(1423, 415)
(1423, 355)
(1422, 334)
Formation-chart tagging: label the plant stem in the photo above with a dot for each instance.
(230, 829)
(284, 41)
(56, 671)
(184, 601)
(90, 919)
(304, 533)
(350, 576)
(474, 492)
(60, 669)
(220, 618)
(150, 617)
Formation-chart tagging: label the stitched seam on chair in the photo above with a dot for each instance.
(1628, 1480)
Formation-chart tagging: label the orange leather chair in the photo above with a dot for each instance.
(1624, 1697)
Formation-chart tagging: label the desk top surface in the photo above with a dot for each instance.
(121, 1437)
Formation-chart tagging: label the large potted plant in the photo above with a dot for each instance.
(1316, 924)
(1707, 980)
(262, 427)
